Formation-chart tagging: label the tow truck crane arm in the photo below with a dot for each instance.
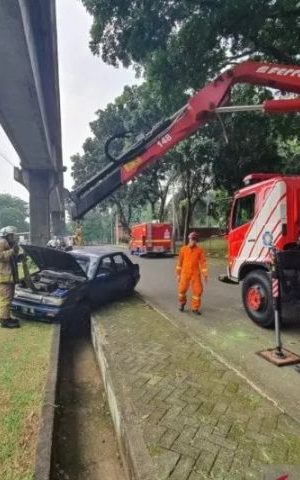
(200, 108)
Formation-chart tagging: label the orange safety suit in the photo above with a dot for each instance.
(191, 269)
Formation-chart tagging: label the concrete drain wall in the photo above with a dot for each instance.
(45, 436)
(137, 462)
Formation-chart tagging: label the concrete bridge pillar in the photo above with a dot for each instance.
(42, 186)
(39, 190)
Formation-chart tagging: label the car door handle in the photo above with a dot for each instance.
(251, 239)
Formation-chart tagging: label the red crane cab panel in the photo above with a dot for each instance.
(271, 205)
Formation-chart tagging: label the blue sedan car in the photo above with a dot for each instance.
(65, 282)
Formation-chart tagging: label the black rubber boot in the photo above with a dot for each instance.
(197, 312)
(10, 323)
(181, 308)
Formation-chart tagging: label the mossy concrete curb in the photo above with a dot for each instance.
(46, 424)
(136, 459)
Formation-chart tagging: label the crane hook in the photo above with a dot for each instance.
(124, 134)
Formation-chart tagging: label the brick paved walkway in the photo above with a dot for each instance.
(199, 419)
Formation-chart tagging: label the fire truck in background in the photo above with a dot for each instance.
(151, 238)
(269, 205)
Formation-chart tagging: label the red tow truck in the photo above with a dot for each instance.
(269, 205)
(151, 238)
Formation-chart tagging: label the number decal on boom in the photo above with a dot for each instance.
(164, 140)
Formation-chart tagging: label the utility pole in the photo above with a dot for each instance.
(117, 228)
(112, 228)
(210, 196)
(173, 221)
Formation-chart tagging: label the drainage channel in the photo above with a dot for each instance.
(84, 444)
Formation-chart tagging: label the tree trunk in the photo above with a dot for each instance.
(122, 217)
(161, 214)
(153, 210)
(187, 220)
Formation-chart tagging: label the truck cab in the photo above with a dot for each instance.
(268, 204)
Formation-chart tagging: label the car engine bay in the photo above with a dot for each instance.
(50, 282)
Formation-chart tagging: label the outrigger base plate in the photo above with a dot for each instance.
(280, 358)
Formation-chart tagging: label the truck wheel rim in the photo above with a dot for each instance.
(255, 298)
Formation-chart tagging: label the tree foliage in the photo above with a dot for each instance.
(253, 141)
(13, 211)
(185, 43)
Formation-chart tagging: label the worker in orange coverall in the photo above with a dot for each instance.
(191, 270)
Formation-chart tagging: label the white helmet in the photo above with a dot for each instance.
(9, 230)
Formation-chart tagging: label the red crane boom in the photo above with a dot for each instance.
(200, 108)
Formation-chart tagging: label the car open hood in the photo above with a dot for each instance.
(51, 259)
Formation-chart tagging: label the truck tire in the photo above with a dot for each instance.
(257, 298)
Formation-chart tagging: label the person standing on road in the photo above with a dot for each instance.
(8, 275)
(78, 237)
(191, 270)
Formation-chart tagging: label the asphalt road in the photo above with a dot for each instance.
(226, 329)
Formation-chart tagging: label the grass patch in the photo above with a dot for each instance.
(214, 247)
(24, 358)
(32, 268)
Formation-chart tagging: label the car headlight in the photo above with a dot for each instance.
(55, 301)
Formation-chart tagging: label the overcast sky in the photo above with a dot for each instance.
(86, 84)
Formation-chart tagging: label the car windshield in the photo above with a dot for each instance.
(84, 262)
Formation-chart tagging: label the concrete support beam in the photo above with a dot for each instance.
(39, 190)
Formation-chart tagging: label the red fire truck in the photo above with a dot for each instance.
(147, 238)
(268, 207)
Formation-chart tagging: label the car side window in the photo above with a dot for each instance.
(120, 262)
(243, 210)
(106, 265)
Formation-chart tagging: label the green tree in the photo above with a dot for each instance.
(13, 211)
(194, 175)
(253, 141)
(290, 153)
(135, 111)
(183, 44)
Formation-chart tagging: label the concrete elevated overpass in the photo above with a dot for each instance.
(30, 107)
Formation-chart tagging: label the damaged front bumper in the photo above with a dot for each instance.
(29, 311)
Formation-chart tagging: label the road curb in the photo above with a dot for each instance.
(45, 435)
(135, 456)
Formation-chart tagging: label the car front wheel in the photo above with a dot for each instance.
(257, 298)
